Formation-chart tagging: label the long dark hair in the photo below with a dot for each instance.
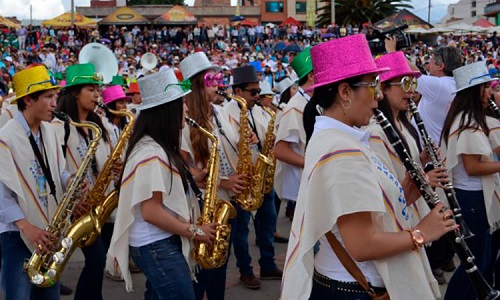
(110, 116)
(163, 124)
(324, 96)
(385, 107)
(67, 103)
(474, 114)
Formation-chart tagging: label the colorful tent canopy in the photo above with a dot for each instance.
(64, 20)
(248, 22)
(290, 21)
(176, 15)
(403, 17)
(124, 15)
(483, 23)
(8, 23)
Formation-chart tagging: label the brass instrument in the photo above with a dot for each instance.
(494, 108)
(44, 270)
(268, 150)
(214, 211)
(86, 229)
(252, 196)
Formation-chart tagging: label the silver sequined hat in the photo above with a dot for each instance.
(161, 87)
(196, 63)
(471, 75)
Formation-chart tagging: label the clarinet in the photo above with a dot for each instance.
(494, 108)
(448, 187)
(483, 290)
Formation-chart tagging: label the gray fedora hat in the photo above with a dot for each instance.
(196, 63)
(471, 75)
(161, 87)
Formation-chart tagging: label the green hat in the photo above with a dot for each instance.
(117, 80)
(302, 63)
(59, 76)
(82, 74)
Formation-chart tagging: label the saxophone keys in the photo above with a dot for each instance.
(58, 258)
(37, 279)
(67, 243)
(51, 273)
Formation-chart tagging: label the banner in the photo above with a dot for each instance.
(311, 13)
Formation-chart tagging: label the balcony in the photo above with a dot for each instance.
(492, 9)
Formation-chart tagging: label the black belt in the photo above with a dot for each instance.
(343, 286)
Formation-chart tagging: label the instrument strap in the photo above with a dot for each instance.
(219, 125)
(44, 164)
(93, 164)
(254, 129)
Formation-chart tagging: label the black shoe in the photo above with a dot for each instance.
(64, 290)
(273, 275)
(439, 275)
(280, 239)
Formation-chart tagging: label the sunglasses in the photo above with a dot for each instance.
(253, 92)
(408, 84)
(211, 79)
(374, 86)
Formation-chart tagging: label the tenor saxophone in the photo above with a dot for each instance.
(268, 151)
(252, 197)
(214, 211)
(86, 229)
(44, 270)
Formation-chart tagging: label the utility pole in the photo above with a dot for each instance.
(72, 12)
(332, 9)
(429, 13)
(31, 14)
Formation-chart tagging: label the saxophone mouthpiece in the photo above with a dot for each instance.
(192, 122)
(103, 106)
(60, 115)
(222, 93)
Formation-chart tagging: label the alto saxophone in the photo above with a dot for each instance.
(86, 229)
(268, 150)
(214, 211)
(44, 270)
(252, 196)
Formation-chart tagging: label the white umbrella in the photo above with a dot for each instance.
(493, 29)
(461, 27)
(440, 30)
(416, 30)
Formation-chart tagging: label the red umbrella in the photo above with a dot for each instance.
(290, 21)
(247, 22)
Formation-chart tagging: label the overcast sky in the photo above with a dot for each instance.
(46, 9)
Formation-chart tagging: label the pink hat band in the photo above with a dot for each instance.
(342, 58)
(398, 65)
(112, 94)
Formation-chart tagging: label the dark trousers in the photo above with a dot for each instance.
(212, 282)
(90, 282)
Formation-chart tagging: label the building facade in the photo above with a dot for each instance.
(464, 10)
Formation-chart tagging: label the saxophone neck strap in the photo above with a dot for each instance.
(44, 163)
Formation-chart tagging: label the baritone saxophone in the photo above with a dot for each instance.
(214, 211)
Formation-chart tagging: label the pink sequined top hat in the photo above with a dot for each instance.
(342, 58)
(113, 93)
(398, 65)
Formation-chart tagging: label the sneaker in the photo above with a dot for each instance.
(250, 281)
(280, 239)
(273, 275)
(448, 266)
(64, 290)
(439, 275)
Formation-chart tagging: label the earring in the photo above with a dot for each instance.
(347, 104)
(319, 109)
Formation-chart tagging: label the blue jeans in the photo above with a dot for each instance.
(15, 282)
(167, 273)
(320, 292)
(90, 282)
(265, 225)
(474, 214)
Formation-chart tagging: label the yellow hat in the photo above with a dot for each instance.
(32, 80)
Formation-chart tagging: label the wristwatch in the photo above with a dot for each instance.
(417, 237)
(196, 231)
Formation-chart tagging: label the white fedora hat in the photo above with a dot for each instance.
(284, 84)
(471, 75)
(265, 88)
(161, 87)
(196, 63)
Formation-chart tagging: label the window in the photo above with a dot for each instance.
(275, 6)
(300, 7)
(473, 13)
(452, 11)
(473, 4)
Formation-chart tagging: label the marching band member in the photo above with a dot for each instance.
(287, 89)
(9, 110)
(78, 99)
(196, 150)
(469, 159)
(291, 137)
(115, 99)
(135, 96)
(246, 85)
(156, 210)
(31, 182)
(347, 195)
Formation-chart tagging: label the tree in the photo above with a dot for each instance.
(155, 2)
(359, 11)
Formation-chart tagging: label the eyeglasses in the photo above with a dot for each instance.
(51, 80)
(408, 84)
(210, 79)
(374, 86)
(253, 92)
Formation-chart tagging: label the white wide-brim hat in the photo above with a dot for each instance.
(160, 88)
(196, 63)
(471, 75)
(265, 88)
(284, 84)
